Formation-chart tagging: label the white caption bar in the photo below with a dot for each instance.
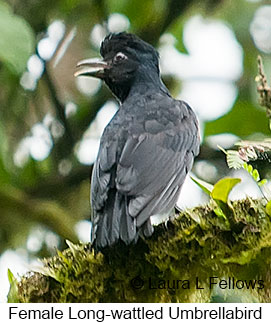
(123, 312)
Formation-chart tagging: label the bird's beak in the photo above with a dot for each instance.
(91, 67)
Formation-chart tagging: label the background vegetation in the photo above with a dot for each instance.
(47, 118)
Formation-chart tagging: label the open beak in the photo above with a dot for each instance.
(94, 67)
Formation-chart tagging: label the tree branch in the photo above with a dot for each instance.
(195, 245)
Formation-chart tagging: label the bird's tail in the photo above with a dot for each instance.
(113, 223)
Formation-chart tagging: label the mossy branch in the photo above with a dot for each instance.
(196, 245)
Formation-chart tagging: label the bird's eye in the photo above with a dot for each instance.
(119, 57)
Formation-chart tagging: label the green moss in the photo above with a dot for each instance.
(193, 247)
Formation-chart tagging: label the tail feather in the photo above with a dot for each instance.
(113, 223)
(147, 229)
(128, 231)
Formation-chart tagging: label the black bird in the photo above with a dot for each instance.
(146, 150)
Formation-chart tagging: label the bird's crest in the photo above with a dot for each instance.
(117, 42)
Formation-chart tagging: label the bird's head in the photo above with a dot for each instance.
(126, 60)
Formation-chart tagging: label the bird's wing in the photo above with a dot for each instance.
(105, 206)
(140, 169)
(103, 173)
(153, 165)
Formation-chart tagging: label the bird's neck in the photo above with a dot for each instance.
(146, 86)
(144, 82)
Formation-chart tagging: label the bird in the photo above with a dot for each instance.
(146, 150)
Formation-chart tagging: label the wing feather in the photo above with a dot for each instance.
(139, 173)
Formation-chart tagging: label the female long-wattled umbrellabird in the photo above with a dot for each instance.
(147, 148)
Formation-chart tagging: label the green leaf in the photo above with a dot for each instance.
(206, 187)
(256, 175)
(262, 182)
(268, 208)
(13, 289)
(11, 277)
(255, 121)
(248, 168)
(177, 31)
(16, 41)
(223, 188)
(218, 211)
(245, 166)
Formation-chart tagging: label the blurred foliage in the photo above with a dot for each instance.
(39, 191)
(17, 39)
